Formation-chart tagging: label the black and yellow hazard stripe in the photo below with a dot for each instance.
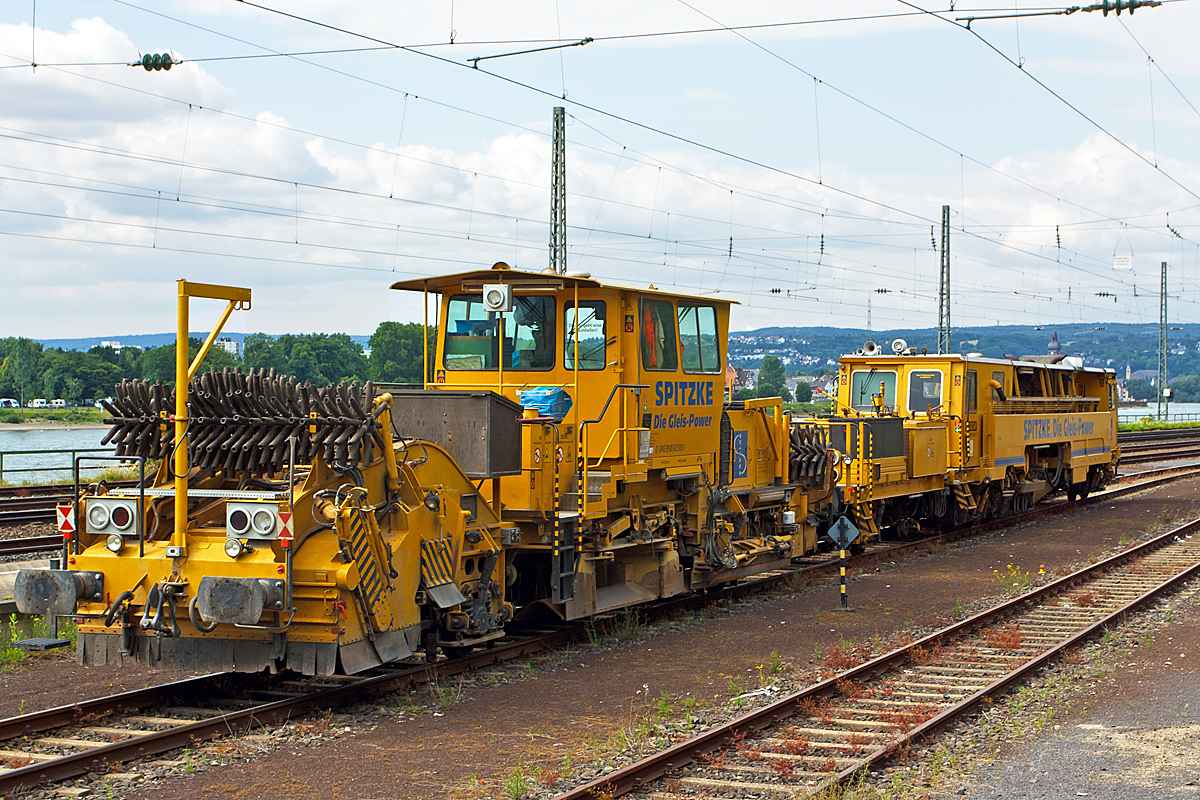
(966, 500)
(436, 567)
(371, 586)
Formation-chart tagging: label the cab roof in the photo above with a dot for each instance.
(531, 282)
(971, 359)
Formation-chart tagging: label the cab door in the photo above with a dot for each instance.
(971, 418)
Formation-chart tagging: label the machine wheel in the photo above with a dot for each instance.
(1072, 492)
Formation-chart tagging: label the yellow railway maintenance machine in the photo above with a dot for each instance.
(573, 451)
(943, 440)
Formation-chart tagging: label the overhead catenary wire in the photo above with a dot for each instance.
(739, 236)
(1060, 98)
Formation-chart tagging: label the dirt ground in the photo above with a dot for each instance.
(574, 704)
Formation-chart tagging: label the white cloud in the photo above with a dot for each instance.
(706, 94)
(271, 196)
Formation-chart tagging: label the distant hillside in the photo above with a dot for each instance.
(145, 340)
(811, 349)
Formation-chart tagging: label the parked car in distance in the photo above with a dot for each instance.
(37, 403)
(8, 402)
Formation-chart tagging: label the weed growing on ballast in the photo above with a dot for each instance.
(1013, 581)
(517, 783)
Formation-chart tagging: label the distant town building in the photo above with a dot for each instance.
(117, 346)
(1054, 348)
(230, 346)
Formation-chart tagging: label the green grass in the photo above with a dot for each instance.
(87, 476)
(15, 415)
(807, 408)
(1151, 424)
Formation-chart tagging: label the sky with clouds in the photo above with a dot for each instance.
(793, 156)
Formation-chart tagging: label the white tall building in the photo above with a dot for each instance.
(230, 346)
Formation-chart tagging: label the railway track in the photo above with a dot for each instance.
(66, 742)
(1141, 447)
(62, 743)
(829, 733)
(21, 504)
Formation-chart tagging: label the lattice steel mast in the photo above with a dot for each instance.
(558, 194)
(944, 286)
(1164, 401)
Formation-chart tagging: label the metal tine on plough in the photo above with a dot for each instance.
(243, 422)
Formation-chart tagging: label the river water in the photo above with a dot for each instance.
(47, 466)
(1184, 410)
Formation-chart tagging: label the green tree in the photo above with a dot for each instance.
(20, 372)
(158, 363)
(1141, 389)
(397, 353)
(316, 357)
(804, 392)
(1186, 389)
(80, 375)
(770, 379)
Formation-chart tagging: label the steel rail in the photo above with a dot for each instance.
(155, 742)
(640, 773)
(1157, 435)
(30, 544)
(1150, 456)
(934, 725)
(162, 741)
(36, 503)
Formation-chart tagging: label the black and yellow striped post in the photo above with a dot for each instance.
(843, 533)
(557, 509)
(845, 602)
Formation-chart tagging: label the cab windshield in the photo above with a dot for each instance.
(475, 337)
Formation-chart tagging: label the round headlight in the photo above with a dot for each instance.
(239, 521)
(233, 548)
(264, 522)
(97, 516)
(121, 516)
(114, 542)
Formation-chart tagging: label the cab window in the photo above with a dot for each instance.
(592, 338)
(924, 390)
(698, 346)
(972, 392)
(473, 334)
(998, 377)
(658, 335)
(1029, 383)
(866, 383)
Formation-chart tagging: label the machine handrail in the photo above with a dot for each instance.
(583, 460)
(611, 395)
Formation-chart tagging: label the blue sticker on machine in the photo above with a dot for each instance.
(629, 323)
(741, 440)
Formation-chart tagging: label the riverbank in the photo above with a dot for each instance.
(51, 418)
(51, 425)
